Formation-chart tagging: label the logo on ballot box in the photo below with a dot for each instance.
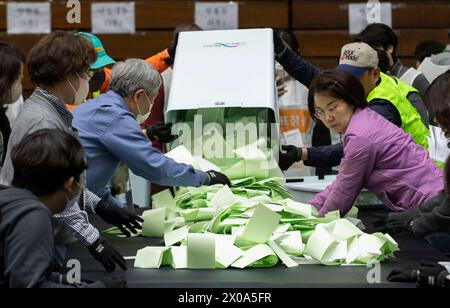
(225, 45)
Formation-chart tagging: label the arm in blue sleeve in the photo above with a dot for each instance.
(325, 156)
(124, 139)
(303, 71)
(106, 196)
(386, 110)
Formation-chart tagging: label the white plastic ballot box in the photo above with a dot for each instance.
(223, 69)
(229, 68)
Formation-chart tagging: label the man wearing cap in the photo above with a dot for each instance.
(99, 83)
(386, 95)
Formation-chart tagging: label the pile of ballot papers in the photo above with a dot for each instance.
(253, 223)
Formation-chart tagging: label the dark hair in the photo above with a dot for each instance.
(378, 35)
(186, 27)
(58, 55)
(337, 84)
(383, 61)
(437, 99)
(289, 38)
(428, 48)
(11, 62)
(45, 159)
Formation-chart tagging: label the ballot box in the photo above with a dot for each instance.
(223, 102)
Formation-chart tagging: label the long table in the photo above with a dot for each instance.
(411, 252)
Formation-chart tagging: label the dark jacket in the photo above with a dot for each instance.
(26, 242)
(431, 216)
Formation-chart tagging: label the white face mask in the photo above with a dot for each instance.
(82, 92)
(70, 202)
(142, 117)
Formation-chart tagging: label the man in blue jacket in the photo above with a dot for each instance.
(109, 131)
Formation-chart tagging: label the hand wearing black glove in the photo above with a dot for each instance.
(407, 274)
(172, 50)
(115, 282)
(432, 275)
(399, 222)
(215, 177)
(121, 218)
(393, 223)
(107, 255)
(291, 155)
(278, 44)
(160, 132)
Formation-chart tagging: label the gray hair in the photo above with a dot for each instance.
(134, 74)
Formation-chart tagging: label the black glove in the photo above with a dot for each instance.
(172, 50)
(121, 218)
(215, 177)
(115, 282)
(160, 132)
(278, 44)
(393, 223)
(107, 255)
(399, 222)
(432, 275)
(407, 274)
(292, 155)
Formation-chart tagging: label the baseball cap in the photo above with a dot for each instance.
(102, 58)
(356, 58)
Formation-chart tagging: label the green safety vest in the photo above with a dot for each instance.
(396, 92)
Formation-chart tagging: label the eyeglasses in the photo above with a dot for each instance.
(322, 114)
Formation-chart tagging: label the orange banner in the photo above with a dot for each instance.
(294, 118)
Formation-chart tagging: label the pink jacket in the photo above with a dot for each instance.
(384, 159)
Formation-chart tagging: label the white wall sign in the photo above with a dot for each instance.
(362, 14)
(29, 17)
(217, 15)
(113, 17)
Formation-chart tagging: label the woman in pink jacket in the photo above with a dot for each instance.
(378, 155)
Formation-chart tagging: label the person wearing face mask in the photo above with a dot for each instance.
(100, 80)
(48, 164)
(11, 75)
(59, 65)
(154, 128)
(378, 155)
(109, 131)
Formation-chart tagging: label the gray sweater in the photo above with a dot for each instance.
(38, 113)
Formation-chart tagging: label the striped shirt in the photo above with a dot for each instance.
(75, 217)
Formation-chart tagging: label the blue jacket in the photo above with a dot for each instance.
(109, 134)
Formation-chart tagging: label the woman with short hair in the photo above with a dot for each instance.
(59, 65)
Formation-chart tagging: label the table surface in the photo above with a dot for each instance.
(411, 252)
